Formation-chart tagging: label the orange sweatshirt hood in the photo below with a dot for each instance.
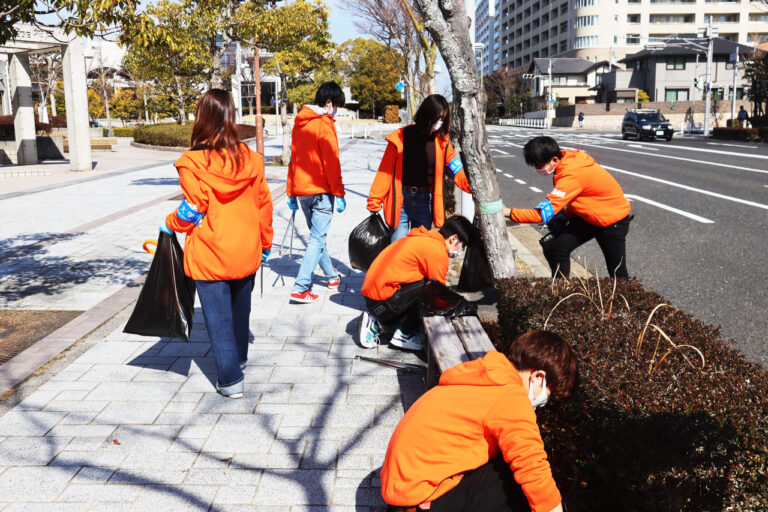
(492, 370)
(309, 113)
(219, 174)
(574, 159)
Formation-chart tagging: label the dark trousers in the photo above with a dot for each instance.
(489, 488)
(401, 310)
(226, 308)
(575, 232)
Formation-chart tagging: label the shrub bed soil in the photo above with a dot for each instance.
(178, 135)
(674, 419)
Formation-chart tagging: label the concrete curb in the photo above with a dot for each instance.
(19, 368)
(174, 149)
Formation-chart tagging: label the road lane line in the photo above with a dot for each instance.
(538, 190)
(716, 151)
(693, 189)
(750, 169)
(732, 145)
(669, 208)
(498, 170)
(508, 175)
(500, 151)
(520, 182)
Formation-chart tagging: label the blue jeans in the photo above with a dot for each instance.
(416, 211)
(226, 307)
(318, 210)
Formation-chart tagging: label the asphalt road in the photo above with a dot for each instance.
(700, 234)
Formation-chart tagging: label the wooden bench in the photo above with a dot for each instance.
(453, 341)
(96, 144)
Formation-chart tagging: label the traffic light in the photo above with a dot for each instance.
(696, 82)
(527, 76)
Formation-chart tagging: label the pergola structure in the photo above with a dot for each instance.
(31, 39)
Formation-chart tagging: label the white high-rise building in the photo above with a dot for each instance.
(610, 29)
(488, 33)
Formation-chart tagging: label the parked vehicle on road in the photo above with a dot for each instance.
(646, 123)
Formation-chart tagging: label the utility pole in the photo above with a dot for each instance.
(257, 92)
(708, 87)
(735, 61)
(695, 92)
(549, 96)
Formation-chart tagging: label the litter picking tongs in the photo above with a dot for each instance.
(290, 228)
(413, 368)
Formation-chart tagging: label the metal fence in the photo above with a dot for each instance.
(527, 123)
(376, 131)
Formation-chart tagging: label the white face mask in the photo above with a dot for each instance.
(541, 400)
(546, 171)
(437, 125)
(331, 110)
(455, 254)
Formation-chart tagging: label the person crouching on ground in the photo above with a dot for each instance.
(314, 180)
(409, 183)
(227, 215)
(471, 443)
(396, 277)
(586, 203)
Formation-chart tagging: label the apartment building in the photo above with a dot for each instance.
(487, 33)
(610, 29)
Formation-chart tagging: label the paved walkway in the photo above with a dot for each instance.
(135, 424)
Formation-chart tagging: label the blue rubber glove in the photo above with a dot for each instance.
(341, 204)
(164, 228)
(264, 255)
(293, 204)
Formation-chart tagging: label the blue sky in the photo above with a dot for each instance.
(342, 27)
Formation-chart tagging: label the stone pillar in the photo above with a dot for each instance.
(6, 107)
(76, 101)
(23, 109)
(53, 102)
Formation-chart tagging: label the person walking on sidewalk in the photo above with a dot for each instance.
(314, 180)
(409, 182)
(742, 116)
(586, 203)
(581, 119)
(227, 215)
(471, 443)
(396, 277)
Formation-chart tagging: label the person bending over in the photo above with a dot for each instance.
(586, 203)
(396, 277)
(472, 444)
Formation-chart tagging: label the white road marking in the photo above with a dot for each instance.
(669, 208)
(500, 151)
(498, 170)
(732, 145)
(750, 169)
(508, 175)
(538, 190)
(719, 152)
(693, 189)
(520, 182)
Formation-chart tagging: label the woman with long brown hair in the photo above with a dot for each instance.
(227, 215)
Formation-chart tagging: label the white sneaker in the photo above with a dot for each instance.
(368, 331)
(404, 341)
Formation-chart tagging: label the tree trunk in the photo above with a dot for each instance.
(447, 22)
(181, 108)
(216, 82)
(146, 110)
(412, 90)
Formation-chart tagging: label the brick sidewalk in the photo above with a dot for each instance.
(135, 424)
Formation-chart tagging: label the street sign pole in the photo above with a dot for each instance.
(257, 92)
(735, 61)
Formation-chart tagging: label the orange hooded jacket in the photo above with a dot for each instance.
(314, 167)
(479, 409)
(421, 254)
(237, 222)
(585, 188)
(382, 194)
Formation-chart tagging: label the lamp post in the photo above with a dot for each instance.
(549, 96)
(481, 47)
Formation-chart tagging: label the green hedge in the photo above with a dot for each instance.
(734, 133)
(122, 131)
(177, 135)
(651, 427)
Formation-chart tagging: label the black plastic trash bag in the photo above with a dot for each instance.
(439, 300)
(475, 272)
(167, 299)
(366, 241)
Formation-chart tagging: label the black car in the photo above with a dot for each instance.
(646, 124)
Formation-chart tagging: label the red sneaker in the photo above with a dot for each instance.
(305, 297)
(334, 282)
